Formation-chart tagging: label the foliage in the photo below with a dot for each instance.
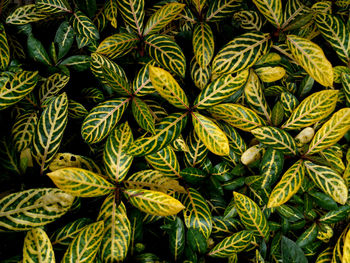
(175, 131)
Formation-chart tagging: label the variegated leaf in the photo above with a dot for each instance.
(25, 14)
(133, 14)
(4, 49)
(272, 10)
(219, 9)
(203, 44)
(200, 76)
(197, 151)
(53, 6)
(52, 85)
(111, 11)
(143, 115)
(117, 45)
(37, 247)
(23, 130)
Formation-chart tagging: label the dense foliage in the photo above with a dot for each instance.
(162, 131)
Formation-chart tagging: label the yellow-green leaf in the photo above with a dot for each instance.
(329, 181)
(4, 49)
(203, 44)
(143, 115)
(272, 10)
(63, 160)
(219, 9)
(81, 182)
(312, 109)
(200, 76)
(331, 132)
(237, 116)
(52, 85)
(311, 57)
(288, 185)
(153, 202)
(210, 134)
(111, 11)
(25, 14)
(270, 74)
(37, 247)
(133, 13)
(117, 45)
(23, 130)
(53, 6)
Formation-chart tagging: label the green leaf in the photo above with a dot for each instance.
(272, 10)
(196, 241)
(162, 17)
(78, 62)
(153, 202)
(16, 88)
(200, 76)
(23, 130)
(37, 51)
(166, 52)
(64, 38)
(102, 119)
(83, 26)
(116, 160)
(143, 115)
(335, 32)
(220, 89)
(249, 20)
(231, 245)
(289, 102)
(291, 252)
(67, 233)
(8, 156)
(37, 247)
(296, 15)
(197, 151)
(165, 161)
(117, 45)
(193, 175)
(166, 131)
(288, 185)
(210, 134)
(219, 9)
(199, 5)
(133, 14)
(117, 230)
(25, 14)
(85, 246)
(309, 236)
(33, 208)
(4, 49)
(197, 213)
(255, 97)
(328, 181)
(53, 6)
(312, 109)
(111, 11)
(49, 131)
(168, 87)
(52, 86)
(335, 215)
(80, 182)
(271, 166)
(331, 132)
(237, 116)
(203, 44)
(177, 238)
(276, 138)
(251, 215)
(76, 110)
(241, 53)
(312, 59)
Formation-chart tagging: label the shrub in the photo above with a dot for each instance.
(192, 131)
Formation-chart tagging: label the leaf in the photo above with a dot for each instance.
(312, 109)
(133, 14)
(312, 59)
(102, 119)
(23, 130)
(17, 88)
(167, 53)
(117, 45)
(52, 86)
(33, 208)
(37, 247)
(80, 182)
(53, 6)
(203, 44)
(37, 51)
(296, 15)
(116, 160)
(210, 134)
(85, 246)
(219, 9)
(166, 131)
(67, 233)
(335, 32)
(142, 84)
(272, 10)
(76, 110)
(8, 157)
(117, 230)
(111, 11)
(237, 116)
(193, 175)
(220, 89)
(24, 15)
(291, 252)
(197, 151)
(328, 181)
(63, 160)
(165, 161)
(331, 131)
(200, 76)
(345, 79)
(288, 185)
(249, 20)
(153, 202)
(64, 39)
(276, 138)
(197, 213)
(83, 26)
(289, 103)
(235, 56)
(196, 241)
(168, 87)
(270, 74)
(143, 115)
(49, 131)
(4, 49)
(255, 97)
(177, 238)
(162, 17)
(271, 166)
(199, 5)
(251, 215)
(231, 245)
(77, 63)
(346, 248)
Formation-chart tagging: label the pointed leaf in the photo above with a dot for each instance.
(271, 166)
(133, 14)
(117, 45)
(272, 10)
(83, 26)
(219, 9)
(25, 14)
(111, 11)
(23, 130)
(203, 44)
(53, 6)
(4, 49)
(52, 86)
